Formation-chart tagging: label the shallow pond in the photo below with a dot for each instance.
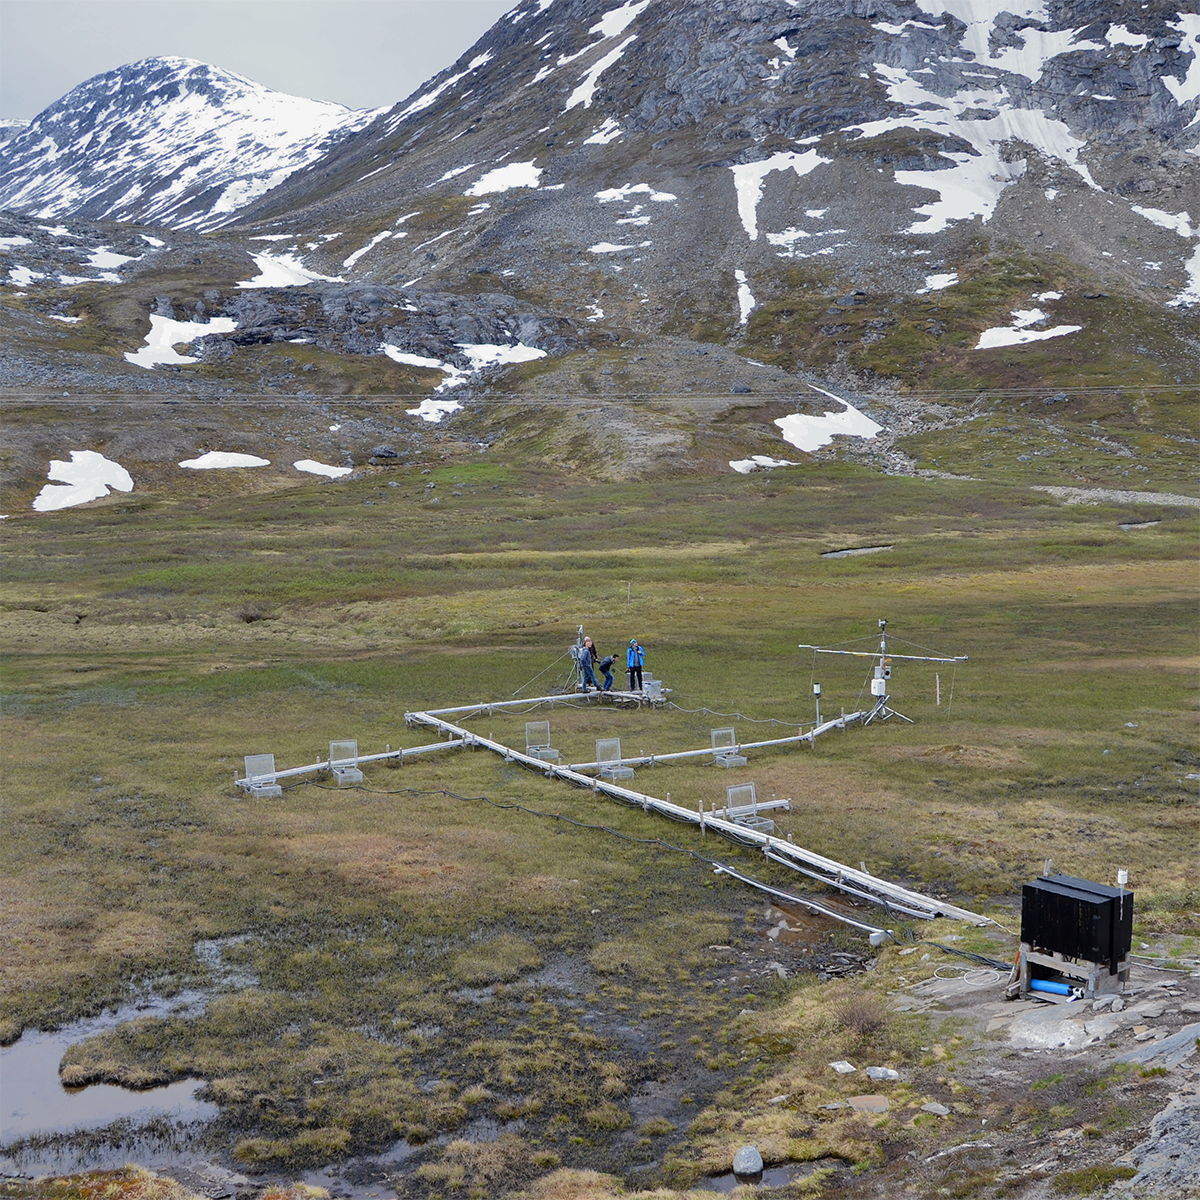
(771, 1177)
(34, 1104)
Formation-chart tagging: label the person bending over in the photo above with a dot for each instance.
(605, 665)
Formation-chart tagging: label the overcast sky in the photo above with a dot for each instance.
(361, 53)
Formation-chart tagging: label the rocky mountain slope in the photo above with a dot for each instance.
(650, 215)
(702, 159)
(165, 140)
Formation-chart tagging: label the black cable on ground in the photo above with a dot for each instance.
(737, 716)
(982, 959)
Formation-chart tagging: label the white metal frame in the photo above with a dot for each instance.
(608, 759)
(248, 784)
(537, 741)
(829, 871)
(882, 708)
(725, 749)
(343, 762)
(261, 775)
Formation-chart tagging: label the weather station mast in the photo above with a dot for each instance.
(882, 673)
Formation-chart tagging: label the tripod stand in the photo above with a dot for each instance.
(885, 712)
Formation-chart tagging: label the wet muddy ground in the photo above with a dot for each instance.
(50, 1128)
(46, 1126)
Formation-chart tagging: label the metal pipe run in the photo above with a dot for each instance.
(845, 887)
(488, 706)
(362, 758)
(676, 812)
(892, 892)
(649, 760)
(803, 901)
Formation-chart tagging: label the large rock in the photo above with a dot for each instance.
(747, 1161)
(1049, 1029)
(1169, 1159)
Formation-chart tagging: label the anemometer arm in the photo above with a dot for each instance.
(875, 654)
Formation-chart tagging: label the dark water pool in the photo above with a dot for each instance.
(34, 1104)
(772, 1177)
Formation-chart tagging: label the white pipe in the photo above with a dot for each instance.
(845, 887)
(562, 698)
(811, 905)
(836, 723)
(488, 705)
(688, 816)
(362, 758)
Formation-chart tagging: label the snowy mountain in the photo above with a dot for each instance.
(909, 127)
(923, 202)
(168, 141)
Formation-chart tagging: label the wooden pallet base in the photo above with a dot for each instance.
(1091, 978)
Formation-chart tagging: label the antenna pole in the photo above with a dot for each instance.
(883, 660)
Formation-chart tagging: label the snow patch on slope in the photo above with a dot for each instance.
(1180, 223)
(485, 355)
(748, 181)
(617, 20)
(743, 466)
(811, 433)
(586, 91)
(1118, 35)
(166, 334)
(349, 261)
(425, 100)
(1019, 333)
(1029, 60)
(283, 270)
(88, 476)
(611, 25)
(479, 355)
(1191, 294)
(972, 187)
(505, 178)
(937, 283)
(1187, 89)
(633, 189)
(609, 131)
(745, 297)
(223, 460)
(312, 467)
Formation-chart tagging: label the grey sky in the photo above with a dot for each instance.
(361, 53)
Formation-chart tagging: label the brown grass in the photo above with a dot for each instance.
(126, 1183)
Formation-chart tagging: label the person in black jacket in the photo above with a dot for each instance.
(605, 665)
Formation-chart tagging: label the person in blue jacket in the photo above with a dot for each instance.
(635, 659)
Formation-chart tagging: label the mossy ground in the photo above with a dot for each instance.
(404, 939)
(927, 343)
